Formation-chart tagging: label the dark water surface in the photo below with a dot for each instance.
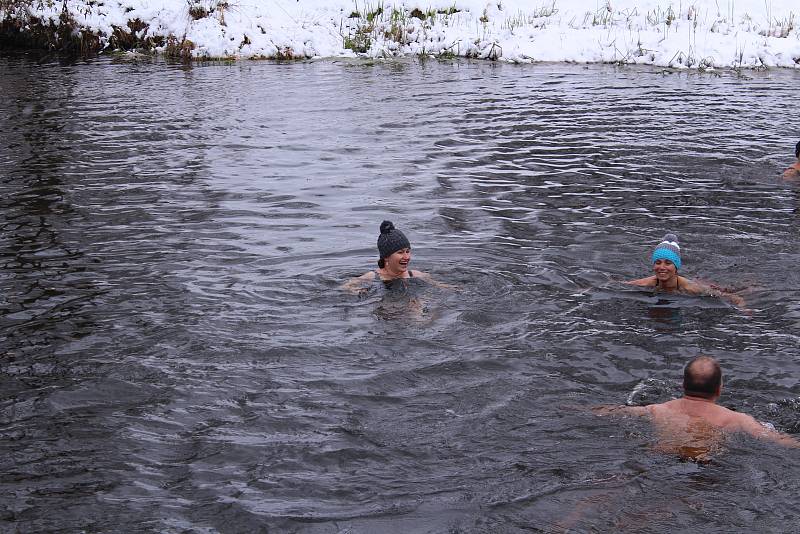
(176, 354)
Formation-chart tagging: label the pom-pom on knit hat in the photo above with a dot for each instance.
(668, 249)
(391, 240)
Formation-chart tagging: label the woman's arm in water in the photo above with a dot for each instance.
(650, 281)
(733, 298)
(792, 173)
(710, 290)
(354, 285)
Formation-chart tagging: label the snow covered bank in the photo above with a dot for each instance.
(699, 34)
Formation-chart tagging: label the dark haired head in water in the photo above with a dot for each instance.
(702, 377)
(666, 260)
(793, 172)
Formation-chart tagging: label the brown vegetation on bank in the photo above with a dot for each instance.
(20, 29)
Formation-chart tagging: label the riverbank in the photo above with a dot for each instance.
(703, 34)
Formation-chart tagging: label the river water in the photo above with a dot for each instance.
(176, 354)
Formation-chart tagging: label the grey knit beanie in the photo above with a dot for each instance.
(391, 240)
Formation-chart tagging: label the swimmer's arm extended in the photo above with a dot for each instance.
(762, 431)
(354, 285)
(791, 173)
(705, 290)
(736, 300)
(782, 439)
(649, 281)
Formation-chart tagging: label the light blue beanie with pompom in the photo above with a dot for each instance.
(668, 249)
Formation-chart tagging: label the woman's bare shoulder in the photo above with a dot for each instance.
(369, 275)
(354, 284)
(431, 280)
(792, 173)
(649, 281)
(691, 287)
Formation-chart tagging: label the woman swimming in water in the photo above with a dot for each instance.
(394, 252)
(793, 172)
(666, 260)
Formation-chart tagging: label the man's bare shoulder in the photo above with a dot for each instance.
(740, 422)
(737, 421)
(667, 409)
(725, 418)
(683, 408)
(668, 406)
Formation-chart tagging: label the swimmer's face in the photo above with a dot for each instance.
(664, 269)
(398, 262)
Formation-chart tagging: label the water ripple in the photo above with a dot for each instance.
(178, 355)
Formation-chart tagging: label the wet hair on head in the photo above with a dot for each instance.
(702, 377)
(797, 150)
(390, 241)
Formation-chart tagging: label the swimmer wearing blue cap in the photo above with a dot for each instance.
(666, 259)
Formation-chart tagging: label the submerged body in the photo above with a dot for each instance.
(694, 427)
(673, 283)
(394, 252)
(793, 172)
(665, 278)
(395, 268)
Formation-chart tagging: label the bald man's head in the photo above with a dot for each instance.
(702, 377)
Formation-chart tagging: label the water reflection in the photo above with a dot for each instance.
(665, 312)
(172, 318)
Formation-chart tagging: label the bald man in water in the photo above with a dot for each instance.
(694, 425)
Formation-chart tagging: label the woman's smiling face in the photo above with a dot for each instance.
(398, 261)
(664, 269)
